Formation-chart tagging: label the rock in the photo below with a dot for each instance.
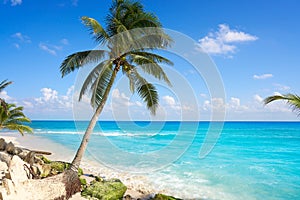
(164, 197)
(3, 171)
(17, 170)
(9, 186)
(109, 190)
(3, 166)
(23, 154)
(2, 144)
(5, 158)
(29, 158)
(127, 197)
(38, 160)
(35, 169)
(17, 151)
(45, 170)
(10, 148)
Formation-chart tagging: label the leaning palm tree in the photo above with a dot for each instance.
(3, 85)
(291, 99)
(130, 36)
(13, 118)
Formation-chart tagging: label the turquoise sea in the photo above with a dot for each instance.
(250, 160)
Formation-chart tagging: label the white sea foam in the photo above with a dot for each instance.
(107, 134)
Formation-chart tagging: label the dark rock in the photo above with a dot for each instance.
(29, 158)
(5, 157)
(23, 154)
(38, 160)
(2, 144)
(17, 151)
(10, 148)
(109, 190)
(127, 197)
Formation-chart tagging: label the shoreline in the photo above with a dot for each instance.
(138, 186)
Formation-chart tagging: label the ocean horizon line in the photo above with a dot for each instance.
(250, 121)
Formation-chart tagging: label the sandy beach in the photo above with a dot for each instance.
(137, 185)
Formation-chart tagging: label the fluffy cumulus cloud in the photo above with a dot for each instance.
(49, 105)
(170, 101)
(262, 76)
(224, 41)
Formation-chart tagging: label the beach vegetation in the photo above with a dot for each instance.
(3, 85)
(13, 118)
(108, 189)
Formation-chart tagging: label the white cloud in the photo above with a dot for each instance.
(230, 36)
(235, 102)
(224, 40)
(17, 46)
(28, 104)
(258, 98)
(21, 37)
(170, 101)
(47, 49)
(64, 41)
(53, 49)
(281, 87)
(262, 76)
(203, 95)
(5, 96)
(16, 2)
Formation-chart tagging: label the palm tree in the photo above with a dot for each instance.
(130, 49)
(291, 99)
(3, 85)
(13, 118)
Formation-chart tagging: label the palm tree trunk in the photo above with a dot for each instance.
(81, 150)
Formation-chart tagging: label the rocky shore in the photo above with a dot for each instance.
(28, 174)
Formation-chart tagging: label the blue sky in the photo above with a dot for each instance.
(254, 44)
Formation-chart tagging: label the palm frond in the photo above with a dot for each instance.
(291, 99)
(77, 60)
(14, 119)
(148, 62)
(4, 84)
(145, 90)
(100, 85)
(150, 96)
(96, 29)
(149, 39)
(93, 75)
